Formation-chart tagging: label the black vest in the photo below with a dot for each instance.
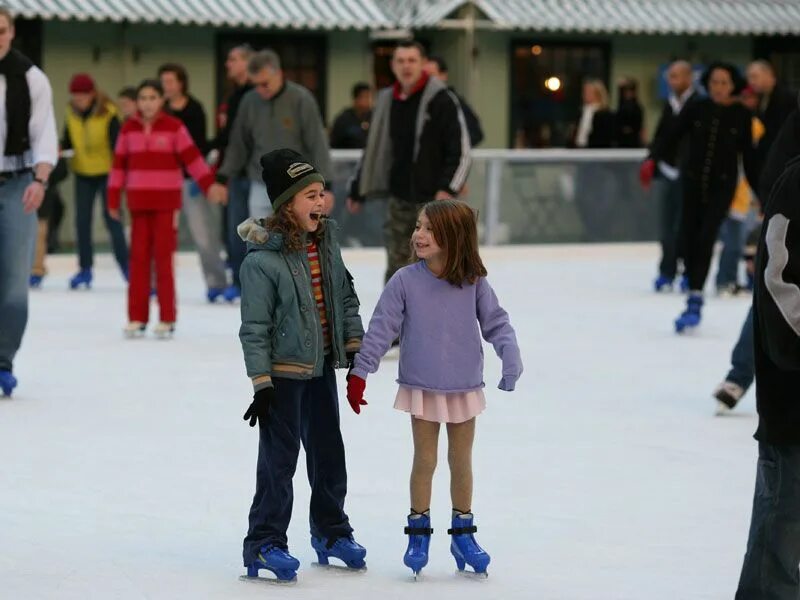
(14, 67)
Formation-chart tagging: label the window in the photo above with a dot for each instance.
(546, 85)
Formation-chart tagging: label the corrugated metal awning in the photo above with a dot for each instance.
(754, 17)
(296, 14)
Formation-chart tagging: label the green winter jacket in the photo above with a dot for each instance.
(281, 333)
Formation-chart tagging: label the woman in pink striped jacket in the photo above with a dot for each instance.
(151, 150)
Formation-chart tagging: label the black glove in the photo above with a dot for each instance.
(259, 408)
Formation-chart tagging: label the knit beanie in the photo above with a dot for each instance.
(81, 83)
(285, 173)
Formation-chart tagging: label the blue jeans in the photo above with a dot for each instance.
(732, 236)
(17, 239)
(238, 195)
(307, 411)
(770, 569)
(743, 364)
(670, 199)
(86, 190)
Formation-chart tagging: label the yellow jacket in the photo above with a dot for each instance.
(743, 196)
(90, 139)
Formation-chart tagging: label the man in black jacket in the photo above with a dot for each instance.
(350, 128)
(770, 568)
(435, 66)
(417, 150)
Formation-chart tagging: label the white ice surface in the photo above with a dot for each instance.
(126, 470)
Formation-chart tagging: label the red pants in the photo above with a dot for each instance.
(154, 238)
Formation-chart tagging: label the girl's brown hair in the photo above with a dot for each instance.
(284, 222)
(455, 229)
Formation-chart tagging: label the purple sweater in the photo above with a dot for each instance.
(440, 344)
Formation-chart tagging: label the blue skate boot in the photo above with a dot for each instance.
(463, 546)
(231, 293)
(81, 278)
(7, 382)
(346, 549)
(277, 560)
(690, 318)
(213, 293)
(35, 281)
(419, 540)
(663, 284)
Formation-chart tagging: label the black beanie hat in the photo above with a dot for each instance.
(285, 172)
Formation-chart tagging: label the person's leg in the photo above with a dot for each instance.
(278, 448)
(258, 202)
(731, 236)
(165, 244)
(17, 236)
(709, 217)
(770, 568)
(743, 368)
(84, 215)
(38, 268)
(669, 203)
(460, 437)
(115, 229)
(238, 211)
(325, 457)
(199, 219)
(398, 230)
(141, 258)
(426, 444)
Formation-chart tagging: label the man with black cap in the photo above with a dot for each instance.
(29, 150)
(300, 321)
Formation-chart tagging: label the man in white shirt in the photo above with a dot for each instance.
(29, 145)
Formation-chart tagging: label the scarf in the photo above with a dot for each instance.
(14, 66)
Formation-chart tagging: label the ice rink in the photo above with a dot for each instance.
(126, 470)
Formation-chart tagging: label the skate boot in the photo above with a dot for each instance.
(164, 330)
(231, 293)
(463, 546)
(35, 281)
(134, 329)
(278, 561)
(346, 549)
(690, 318)
(213, 293)
(7, 382)
(419, 539)
(663, 284)
(81, 278)
(728, 395)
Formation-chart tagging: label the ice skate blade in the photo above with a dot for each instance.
(473, 575)
(268, 580)
(339, 568)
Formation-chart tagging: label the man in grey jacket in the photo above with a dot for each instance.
(276, 114)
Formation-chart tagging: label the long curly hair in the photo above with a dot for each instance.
(294, 236)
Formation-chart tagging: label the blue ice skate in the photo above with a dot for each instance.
(690, 318)
(81, 278)
(277, 560)
(346, 549)
(35, 281)
(463, 546)
(419, 539)
(231, 293)
(213, 293)
(7, 382)
(663, 284)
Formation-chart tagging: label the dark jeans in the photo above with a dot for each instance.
(237, 211)
(17, 237)
(770, 570)
(670, 200)
(731, 235)
(306, 411)
(86, 190)
(743, 366)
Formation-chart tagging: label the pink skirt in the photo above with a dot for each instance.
(453, 407)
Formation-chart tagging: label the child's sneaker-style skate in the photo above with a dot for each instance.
(164, 330)
(277, 560)
(346, 549)
(419, 539)
(134, 329)
(463, 546)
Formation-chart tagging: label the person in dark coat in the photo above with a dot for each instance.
(436, 67)
(773, 545)
(719, 133)
(630, 116)
(350, 128)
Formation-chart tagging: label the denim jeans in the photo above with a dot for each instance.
(307, 411)
(17, 238)
(743, 365)
(238, 211)
(770, 569)
(86, 191)
(200, 220)
(732, 236)
(670, 199)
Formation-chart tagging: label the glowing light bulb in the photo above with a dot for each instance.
(553, 84)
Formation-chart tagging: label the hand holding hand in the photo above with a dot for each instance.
(259, 408)
(355, 392)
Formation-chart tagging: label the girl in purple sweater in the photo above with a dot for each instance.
(439, 306)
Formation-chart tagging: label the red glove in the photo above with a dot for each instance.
(646, 172)
(355, 392)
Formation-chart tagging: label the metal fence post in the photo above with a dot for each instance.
(494, 172)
